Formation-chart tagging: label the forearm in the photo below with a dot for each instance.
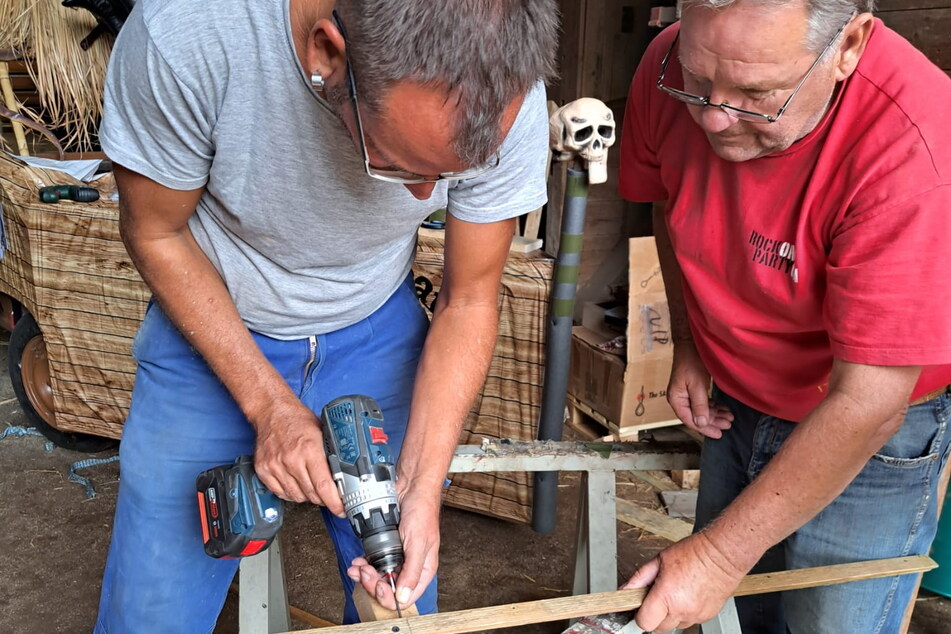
(451, 371)
(195, 298)
(673, 286)
(819, 459)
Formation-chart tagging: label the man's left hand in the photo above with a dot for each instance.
(419, 529)
(689, 583)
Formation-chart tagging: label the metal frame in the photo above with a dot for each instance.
(263, 597)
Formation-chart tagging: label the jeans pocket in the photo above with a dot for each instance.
(917, 442)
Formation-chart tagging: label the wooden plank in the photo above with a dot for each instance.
(654, 522)
(630, 430)
(681, 503)
(521, 244)
(546, 610)
(538, 455)
(686, 478)
(657, 479)
(585, 426)
(369, 610)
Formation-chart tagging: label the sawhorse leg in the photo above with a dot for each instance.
(262, 596)
(596, 552)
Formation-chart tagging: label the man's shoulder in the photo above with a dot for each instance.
(893, 65)
(894, 97)
(185, 27)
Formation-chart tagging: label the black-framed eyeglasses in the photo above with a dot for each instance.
(393, 175)
(738, 113)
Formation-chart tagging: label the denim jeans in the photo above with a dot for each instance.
(182, 421)
(889, 510)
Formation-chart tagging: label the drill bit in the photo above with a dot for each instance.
(389, 576)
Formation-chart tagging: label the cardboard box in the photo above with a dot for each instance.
(630, 390)
(627, 394)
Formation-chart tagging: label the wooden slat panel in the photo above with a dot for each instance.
(885, 6)
(132, 289)
(929, 30)
(88, 366)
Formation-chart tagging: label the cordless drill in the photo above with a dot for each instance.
(363, 469)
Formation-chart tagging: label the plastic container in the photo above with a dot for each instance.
(939, 579)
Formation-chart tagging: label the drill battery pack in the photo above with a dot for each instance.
(239, 515)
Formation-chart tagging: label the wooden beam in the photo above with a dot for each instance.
(522, 455)
(654, 522)
(370, 610)
(515, 614)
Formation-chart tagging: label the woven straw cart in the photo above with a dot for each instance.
(78, 302)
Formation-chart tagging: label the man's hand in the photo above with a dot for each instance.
(289, 457)
(687, 394)
(689, 583)
(419, 530)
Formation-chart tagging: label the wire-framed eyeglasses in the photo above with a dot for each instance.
(738, 113)
(395, 175)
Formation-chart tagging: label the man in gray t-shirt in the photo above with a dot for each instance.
(274, 161)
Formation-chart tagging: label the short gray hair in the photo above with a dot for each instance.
(825, 16)
(487, 52)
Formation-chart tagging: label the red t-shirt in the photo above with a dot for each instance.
(836, 247)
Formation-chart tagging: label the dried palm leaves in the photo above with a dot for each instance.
(68, 79)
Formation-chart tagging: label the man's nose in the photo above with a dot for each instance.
(714, 119)
(421, 191)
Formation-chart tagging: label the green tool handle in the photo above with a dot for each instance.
(54, 193)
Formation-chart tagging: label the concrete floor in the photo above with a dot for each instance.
(54, 544)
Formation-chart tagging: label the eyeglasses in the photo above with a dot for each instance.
(393, 175)
(739, 113)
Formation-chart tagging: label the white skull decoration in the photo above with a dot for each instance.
(584, 127)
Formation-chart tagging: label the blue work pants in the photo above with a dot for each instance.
(183, 421)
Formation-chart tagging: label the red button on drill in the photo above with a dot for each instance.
(377, 437)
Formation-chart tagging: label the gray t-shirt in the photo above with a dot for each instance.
(212, 94)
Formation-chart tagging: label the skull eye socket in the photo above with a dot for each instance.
(605, 131)
(583, 134)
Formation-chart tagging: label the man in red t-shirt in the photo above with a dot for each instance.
(798, 156)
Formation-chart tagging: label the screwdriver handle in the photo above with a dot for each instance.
(54, 193)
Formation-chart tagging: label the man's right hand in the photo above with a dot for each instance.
(289, 457)
(688, 394)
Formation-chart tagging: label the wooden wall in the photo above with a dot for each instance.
(601, 44)
(925, 23)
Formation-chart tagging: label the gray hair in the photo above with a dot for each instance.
(486, 52)
(825, 16)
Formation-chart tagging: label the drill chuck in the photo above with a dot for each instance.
(384, 551)
(363, 469)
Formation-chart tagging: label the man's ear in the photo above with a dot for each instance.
(854, 40)
(326, 52)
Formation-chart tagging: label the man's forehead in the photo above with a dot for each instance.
(764, 28)
(748, 39)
